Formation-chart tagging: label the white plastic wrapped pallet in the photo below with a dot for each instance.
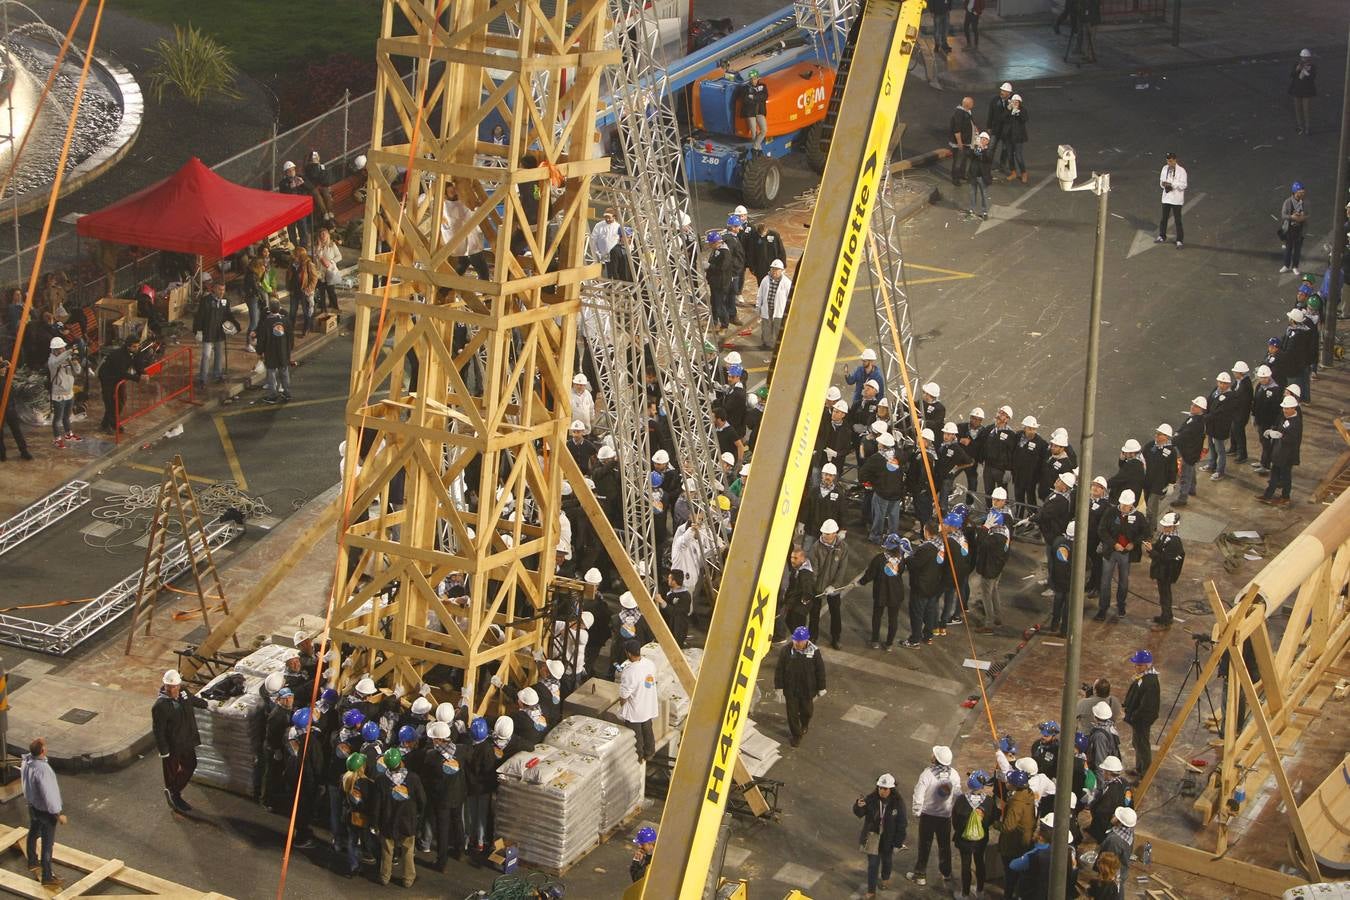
(622, 775)
(549, 805)
(230, 730)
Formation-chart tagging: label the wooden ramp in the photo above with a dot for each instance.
(98, 872)
(1327, 812)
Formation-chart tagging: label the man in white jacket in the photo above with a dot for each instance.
(1172, 180)
(604, 236)
(934, 793)
(772, 304)
(583, 404)
(638, 699)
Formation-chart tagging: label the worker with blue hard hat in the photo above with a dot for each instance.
(1045, 749)
(799, 678)
(644, 844)
(1017, 826)
(1142, 700)
(972, 814)
(1293, 217)
(886, 574)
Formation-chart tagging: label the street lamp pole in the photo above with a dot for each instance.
(1059, 848)
(1332, 301)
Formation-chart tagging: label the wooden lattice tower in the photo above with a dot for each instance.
(476, 432)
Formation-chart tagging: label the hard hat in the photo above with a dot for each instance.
(360, 162)
(927, 435)
(528, 697)
(577, 425)
(353, 719)
(1141, 657)
(605, 452)
(555, 668)
(778, 264)
(943, 755)
(289, 654)
(356, 762)
(370, 731)
(1101, 480)
(1006, 410)
(1288, 403)
(329, 697)
(840, 406)
(832, 394)
(593, 576)
(713, 237)
(1080, 741)
(733, 358)
(735, 371)
(740, 211)
(1070, 529)
(1297, 185)
(1294, 389)
(287, 165)
(754, 73)
(627, 601)
(580, 378)
(882, 401)
(1048, 728)
(1240, 367)
(932, 390)
(829, 526)
(1170, 520)
(587, 619)
(1015, 97)
(1048, 820)
(978, 780)
(729, 459)
(1070, 480)
(949, 428)
(801, 633)
(299, 638)
(885, 440)
(752, 401)
(1130, 446)
(977, 413)
(365, 687)
(869, 355)
(172, 678)
(880, 426)
(999, 493)
(1127, 498)
(439, 731)
(952, 520)
(393, 757)
(891, 542)
(1101, 710)
(684, 219)
(1111, 764)
(1030, 422)
(445, 712)
(734, 221)
(1200, 402)
(1027, 764)
(1006, 86)
(1295, 315)
(661, 458)
(829, 469)
(1305, 53)
(274, 682)
(300, 718)
(1018, 779)
(646, 835)
(407, 734)
(57, 344)
(421, 706)
(1059, 437)
(1273, 342)
(1164, 428)
(504, 728)
(1224, 378)
(478, 729)
(886, 781)
(1006, 744)
(1126, 816)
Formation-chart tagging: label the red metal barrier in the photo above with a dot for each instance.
(168, 378)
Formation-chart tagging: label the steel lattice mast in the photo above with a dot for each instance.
(887, 266)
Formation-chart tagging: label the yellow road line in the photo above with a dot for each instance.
(230, 455)
(142, 467)
(268, 407)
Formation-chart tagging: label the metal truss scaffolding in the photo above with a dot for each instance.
(491, 429)
(888, 268)
(44, 513)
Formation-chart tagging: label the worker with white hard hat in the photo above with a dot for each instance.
(886, 476)
(771, 302)
(935, 793)
(1243, 394)
(953, 459)
(62, 368)
(1286, 441)
(175, 729)
(825, 501)
(827, 555)
(1060, 458)
(997, 445)
(1112, 793)
(1266, 414)
(835, 439)
(1131, 473)
(866, 370)
(1122, 533)
(1160, 465)
(1190, 441)
(931, 408)
(883, 830)
(971, 435)
(583, 402)
(1029, 456)
(1053, 519)
(1223, 409)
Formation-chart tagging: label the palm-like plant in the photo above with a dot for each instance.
(194, 64)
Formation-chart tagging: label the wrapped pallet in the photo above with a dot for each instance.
(622, 775)
(264, 661)
(549, 805)
(231, 730)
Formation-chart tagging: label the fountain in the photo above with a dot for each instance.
(109, 120)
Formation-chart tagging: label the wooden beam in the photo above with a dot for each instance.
(1222, 869)
(92, 880)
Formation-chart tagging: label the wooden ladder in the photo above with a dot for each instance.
(177, 500)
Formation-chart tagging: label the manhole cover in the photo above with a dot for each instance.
(78, 716)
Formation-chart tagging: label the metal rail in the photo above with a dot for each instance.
(43, 514)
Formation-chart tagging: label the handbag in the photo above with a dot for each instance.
(871, 844)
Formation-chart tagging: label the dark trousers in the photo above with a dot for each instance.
(970, 27)
(930, 616)
(1143, 753)
(972, 857)
(1009, 876)
(15, 429)
(935, 828)
(449, 825)
(41, 826)
(916, 604)
(1025, 493)
(1281, 478)
(799, 710)
(301, 307)
(993, 477)
(1239, 441)
(178, 769)
(879, 867)
(960, 162)
(326, 296)
(1165, 600)
(1174, 210)
(114, 396)
(646, 739)
(1293, 245)
(1266, 446)
(892, 611)
(1094, 572)
(477, 260)
(836, 619)
(1059, 614)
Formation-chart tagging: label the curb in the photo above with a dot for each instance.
(108, 762)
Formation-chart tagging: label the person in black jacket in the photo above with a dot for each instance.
(1286, 440)
(1060, 574)
(1060, 458)
(1015, 133)
(1160, 466)
(994, 118)
(1131, 472)
(973, 814)
(981, 171)
(176, 737)
(885, 573)
(1219, 424)
(961, 128)
(754, 98)
(210, 325)
(1099, 504)
(1028, 455)
(992, 545)
(274, 343)
(1142, 700)
(1166, 557)
(644, 843)
(1122, 533)
(956, 573)
(799, 601)
(885, 473)
(926, 569)
(121, 364)
(619, 266)
(437, 764)
(883, 830)
(799, 678)
(1056, 513)
(766, 246)
(1243, 395)
(1190, 446)
(9, 417)
(303, 769)
(998, 444)
(971, 435)
(932, 410)
(735, 241)
(1266, 396)
(825, 501)
(719, 270)
(478, 762)
(400, 801)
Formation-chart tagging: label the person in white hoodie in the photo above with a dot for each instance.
(639, 702)
(934, 794)
(1172, 180)
(772, 304)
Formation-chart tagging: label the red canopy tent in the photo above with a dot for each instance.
(195, 211)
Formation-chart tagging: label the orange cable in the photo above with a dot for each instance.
(349, 484)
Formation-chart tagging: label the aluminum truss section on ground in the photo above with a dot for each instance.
(652, 200)
(60, 637)
(44, 513)
(887, 267)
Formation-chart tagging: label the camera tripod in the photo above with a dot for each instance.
(1193, 671)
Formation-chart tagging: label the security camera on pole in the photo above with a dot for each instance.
(1066, 171)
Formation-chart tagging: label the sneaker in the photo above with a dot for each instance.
(917, 877)
(1217, 476)
(180, 804)
(270, 399)
(1178, 245)
(910, 645)
(889, 648)
(55, 881)
(59, 444)
(1296, 271)
(1160, 240)
(73, 437)
(1099, 617)
(928, 641)
(875, 645)
(1256, 465)
(1284, 269)
(1207, 468)
(956, 620)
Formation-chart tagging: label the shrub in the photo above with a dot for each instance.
(195, 65)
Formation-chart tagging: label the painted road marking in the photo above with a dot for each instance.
(1146, 240)
(1000, 214)
(230, 455)
(159, 470)
(946, 275)
(897, 673)
(274, 407)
